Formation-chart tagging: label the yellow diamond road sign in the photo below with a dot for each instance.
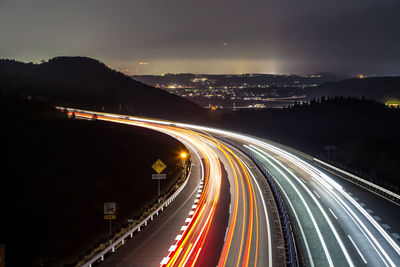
(159, 166)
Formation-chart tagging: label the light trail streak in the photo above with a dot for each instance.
(332, 227)
(323, 180)
(212, 182)
(266, 216)
(299, 224)
(322, 240)
(326, 183)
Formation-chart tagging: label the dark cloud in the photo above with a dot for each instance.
(263, 35)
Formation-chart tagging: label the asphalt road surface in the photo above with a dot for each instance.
(335, 223)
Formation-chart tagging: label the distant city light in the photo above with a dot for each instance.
(393, 103)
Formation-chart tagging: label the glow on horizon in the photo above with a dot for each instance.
(199, 66)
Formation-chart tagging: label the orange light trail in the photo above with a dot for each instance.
(193, 237)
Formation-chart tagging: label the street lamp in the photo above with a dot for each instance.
(183, 158)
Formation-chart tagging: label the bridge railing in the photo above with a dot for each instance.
(376, 189)
(290, 245)
(129, 234)
(362, 182)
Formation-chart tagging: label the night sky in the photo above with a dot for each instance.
(208, 36)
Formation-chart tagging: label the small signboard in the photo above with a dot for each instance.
(110, 211)
(159, 166)
(159, 176)
(2, 256)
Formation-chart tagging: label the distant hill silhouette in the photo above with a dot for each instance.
(87, 83)
(378, 88)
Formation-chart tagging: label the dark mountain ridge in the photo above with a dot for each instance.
(87, 83)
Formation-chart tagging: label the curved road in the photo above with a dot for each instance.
(330, 226)
(251, 234)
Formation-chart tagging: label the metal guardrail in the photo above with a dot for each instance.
(290, 245)
(120, 241)
(376, 189)
(367, 185)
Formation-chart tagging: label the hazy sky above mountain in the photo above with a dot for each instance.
(208, 36)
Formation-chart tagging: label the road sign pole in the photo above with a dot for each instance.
(158, 166)
(158, 182)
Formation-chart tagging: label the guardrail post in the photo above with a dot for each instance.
(138, 229)
(131, 234)
(145, 223)
(113, 249)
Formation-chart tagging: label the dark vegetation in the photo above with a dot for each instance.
(361, 135)
(56, 173)
(87, 83)
(380, 89)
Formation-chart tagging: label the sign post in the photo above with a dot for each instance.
(110, 212)
(159, 166)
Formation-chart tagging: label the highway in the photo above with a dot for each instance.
(331, 227)
(246, 232)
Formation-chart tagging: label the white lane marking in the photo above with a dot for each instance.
(172, 248)
(331, 226)
(188, 220)
(377, 218)
(164, 261)
(321, 238)
(194, 206)
(226, 232)
(362, 231)
(199, 191)
(299, 224)
(316, 194)
(333, 214)
(198, 195)
(191, 213)
(261, 143)
(329, 185)
(230, 208)
(302, 180)
(178, 237)
(196, 201)
(359, 252)
(183, 228)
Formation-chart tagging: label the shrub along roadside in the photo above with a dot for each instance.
(56, 174)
